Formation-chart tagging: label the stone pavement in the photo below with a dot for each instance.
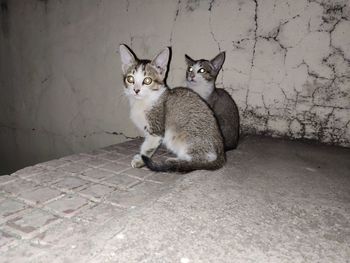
(274, 201)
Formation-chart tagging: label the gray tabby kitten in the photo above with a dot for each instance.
(200, 76)
(177, 117)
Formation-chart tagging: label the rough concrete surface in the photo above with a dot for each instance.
(287, 67)
(274, 201)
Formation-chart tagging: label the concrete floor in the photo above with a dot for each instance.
(274, 201)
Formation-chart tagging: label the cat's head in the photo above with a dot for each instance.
(143, 78)
(203, 71)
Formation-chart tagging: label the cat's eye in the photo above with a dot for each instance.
(130, 79)
(147, 81)
(201, 70)
(190, 69)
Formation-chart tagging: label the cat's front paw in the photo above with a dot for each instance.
(137, 161)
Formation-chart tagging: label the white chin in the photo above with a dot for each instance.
(190, 82)
(134, 96)
(138, 97)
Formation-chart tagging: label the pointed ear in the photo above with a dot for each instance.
(218, 61)
(189, 60)
(160, 62)
(127, 57)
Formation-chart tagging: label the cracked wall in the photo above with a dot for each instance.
(287, 67)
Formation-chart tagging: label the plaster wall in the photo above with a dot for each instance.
(287, 67)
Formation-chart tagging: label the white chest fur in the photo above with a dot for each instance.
(138, 114)
(140, 107)
(204, 89)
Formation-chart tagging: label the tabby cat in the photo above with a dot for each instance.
(200, 76)
(176, 117)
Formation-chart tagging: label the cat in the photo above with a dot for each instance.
(200, 77)
(176, 117)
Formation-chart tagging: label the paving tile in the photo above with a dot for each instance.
(29, 225)
(125, 149)
(163, 177)
(129, 151)
(54, 163)
(122, 181)
(137, 142)
(112, 156)
(4, 179)
(23, 251)
(70, 183)
(68, 205)
(75, 157)
(115, 167)
(117, 147)
(74, 168)
(10, 208)
(40, 195)
(139, 173)
(61, 233)
(113, 147)
(93, 161)
(136, 195)
(6, 240)
(100, 213)
(50, 177)
(97, 174)
(30, 171)
(96, 152)
(126, 160)
(97, 192)
(18, 186)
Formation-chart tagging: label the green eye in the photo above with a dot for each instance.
(130, 79)
(147, 81)
(201, 70)
(190, 69)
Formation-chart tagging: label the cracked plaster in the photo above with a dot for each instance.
(287, 67)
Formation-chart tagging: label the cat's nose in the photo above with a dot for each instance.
(137, 91)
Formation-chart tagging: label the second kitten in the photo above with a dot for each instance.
(201, 76)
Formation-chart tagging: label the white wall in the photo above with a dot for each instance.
(287, 66)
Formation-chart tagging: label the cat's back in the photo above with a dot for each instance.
(221, 102)
(184, 98)
(186, 108)
(183, 93)
(220, 96)
(227, 114)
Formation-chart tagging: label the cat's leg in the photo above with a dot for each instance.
(148, 148)
(180, 157)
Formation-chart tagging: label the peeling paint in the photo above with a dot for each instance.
(320, 96)
(192, 5)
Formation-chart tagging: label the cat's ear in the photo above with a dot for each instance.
(127, 57)
(189, 60)
(160, 62)
(218, 61)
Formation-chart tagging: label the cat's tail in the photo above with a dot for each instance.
(182, 166)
